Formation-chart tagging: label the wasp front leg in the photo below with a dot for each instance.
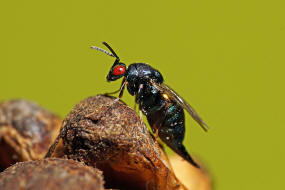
(139, 96)
(121, 90)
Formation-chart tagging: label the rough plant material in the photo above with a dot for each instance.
(51, 173)
(26, 131)
(190, 176)
(109, 135)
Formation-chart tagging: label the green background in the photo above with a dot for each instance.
(225, 57)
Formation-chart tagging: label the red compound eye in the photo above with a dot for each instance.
(119, 70)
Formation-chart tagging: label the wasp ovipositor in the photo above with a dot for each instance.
(162, 106)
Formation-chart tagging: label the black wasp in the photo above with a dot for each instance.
(159, 103)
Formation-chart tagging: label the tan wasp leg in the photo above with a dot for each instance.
(141, 117)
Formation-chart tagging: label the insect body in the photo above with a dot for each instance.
(163, 107)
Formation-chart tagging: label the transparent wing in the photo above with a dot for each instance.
(174, 96)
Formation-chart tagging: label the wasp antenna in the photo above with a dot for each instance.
(109, 47)
(102, 50)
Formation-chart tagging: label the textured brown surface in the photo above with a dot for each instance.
(52, 173)
(190, 176)
(110, 135)
(26, 131)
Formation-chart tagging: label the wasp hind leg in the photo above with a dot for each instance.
(156, 135)
(141, 118)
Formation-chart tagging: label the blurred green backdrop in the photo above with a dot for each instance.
(225, 57)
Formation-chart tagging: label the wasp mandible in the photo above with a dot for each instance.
(162, 106)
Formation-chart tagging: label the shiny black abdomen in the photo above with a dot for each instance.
(170, 126)
(168, 118)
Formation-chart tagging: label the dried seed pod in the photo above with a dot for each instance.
(26, 131)
(190, 176)
(52, 173)
(109, 135)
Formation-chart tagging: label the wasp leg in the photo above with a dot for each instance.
(121, 90)
(122, 87)
(139, 94)
(110, 93)
(137, 100)
(114, 102)
(156, 135)
(141, 118)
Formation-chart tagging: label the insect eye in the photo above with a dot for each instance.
(119, 70)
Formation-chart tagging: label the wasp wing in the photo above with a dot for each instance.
(174, 96)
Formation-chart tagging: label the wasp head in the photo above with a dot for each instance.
(118, 69)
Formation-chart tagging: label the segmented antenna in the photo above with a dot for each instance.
(113, 54)
(102, 50)
(109, 47)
